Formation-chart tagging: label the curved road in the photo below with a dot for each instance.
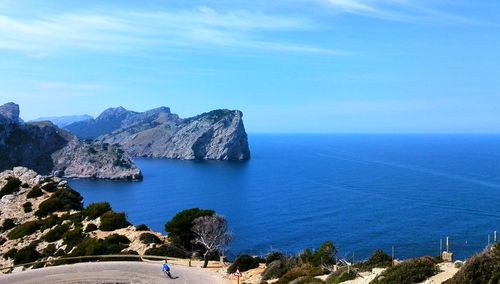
(122, 272)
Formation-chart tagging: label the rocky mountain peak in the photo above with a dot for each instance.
(114, 113)
(10, 111)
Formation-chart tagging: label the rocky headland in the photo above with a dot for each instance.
(158, 133)
(44, 147)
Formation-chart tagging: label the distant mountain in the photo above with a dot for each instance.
(62, 121)
(158, 133)
(44, 147)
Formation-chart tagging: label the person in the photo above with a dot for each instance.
(166, 269)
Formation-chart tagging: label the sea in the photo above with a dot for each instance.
(399, 193)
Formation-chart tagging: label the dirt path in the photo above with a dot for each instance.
(113, 272)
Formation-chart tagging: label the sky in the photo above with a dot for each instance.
(296, 66)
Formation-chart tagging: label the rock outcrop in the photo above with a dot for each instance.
(42, 218)
(158, 133)
(48, 149)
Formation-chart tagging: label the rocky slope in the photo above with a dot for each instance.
(47, 149)
(42, 218)
(158, 133)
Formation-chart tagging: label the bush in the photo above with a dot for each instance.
(148, 238)
(22, 230)
(26, 254)
(111, 221)
(11, 186)
(111, 245)
(64, 199)
(481, 268)
(142, 227)
(50, 250)
(27, 206)
(304, 270)
(377, 259)
(90, 228)
(307, 280)
(341, 275)
(49, 222)
(34, 192)
(10, 253)
(56, 233)
(167, 251)
(411, 271)
(179, 228)
(8, 224)
(73, 237)
(244, 262)
(275, 269)
(272, 256)
(2, 240)
(324, 255)
(95, 210)
(75, 218)
(49, 185)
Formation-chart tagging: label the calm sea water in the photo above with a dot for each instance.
(363, 192)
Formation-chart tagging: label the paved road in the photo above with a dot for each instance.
(123, 272)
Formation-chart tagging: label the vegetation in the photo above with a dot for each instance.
(56, 233)
(49, 222)
(50, 250)
(341, 275)
(73, 237)
(95, 210)
(10, 253)
(148, 238)
(411, 271)
(481, 268)
(377, 259)
(8, 224)
(244, 262)
(272, 256)
(91, 227)
(49, 185)
(111, 221)
(2, 240)
(296, 272)
(111, 245)
(167, 251)
(11, 186)
(142, 227)
(179, 228)
(34, 192)
(212, 233)
(27, 207)
(325, 255)
(64, 199)
(25, 229)
(26, 254)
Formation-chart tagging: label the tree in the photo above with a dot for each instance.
(212, 233)
(179, 228)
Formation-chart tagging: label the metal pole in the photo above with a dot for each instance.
(392, 255)
(488, 239)
(440, 246)
(495, 237)
(447, 245)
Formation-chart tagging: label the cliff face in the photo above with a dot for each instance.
(47, 149)
(216, 135)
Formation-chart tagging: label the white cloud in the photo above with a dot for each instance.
(198, 29)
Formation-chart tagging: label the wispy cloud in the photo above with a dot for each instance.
(198, 29)
(398, 10)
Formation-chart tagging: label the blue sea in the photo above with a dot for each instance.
(363, 192)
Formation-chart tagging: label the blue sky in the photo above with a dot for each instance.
(306, 66)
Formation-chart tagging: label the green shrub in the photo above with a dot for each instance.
(49, 185)
(481, 268)
(341, 275)
(377, 259)
(272, 256)
(307, 280)
(148, 238)
(22, 230)
(64, 199)
(111, 245)
(56, 233)
(142, 227)
(50, 250)
(27, 206)
(111, 221)
(75, 218)
(26, 254)
(324, 255)
(49, 222)
(411, 271)
(11, 186)
(91, 227)
(304, 270)
(73, 237)
(95, 210)
(34, 192)
(8, 224)
(179, 228)
(244, 262)
(2, 240)
(167, 251)
(10, 253)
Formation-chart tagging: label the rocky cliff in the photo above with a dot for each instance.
(47, 149)
(42, 218)
(158, 133)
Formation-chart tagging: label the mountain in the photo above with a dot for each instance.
(110, 120)
(62, 121)
(44, 147)
(158, 133)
